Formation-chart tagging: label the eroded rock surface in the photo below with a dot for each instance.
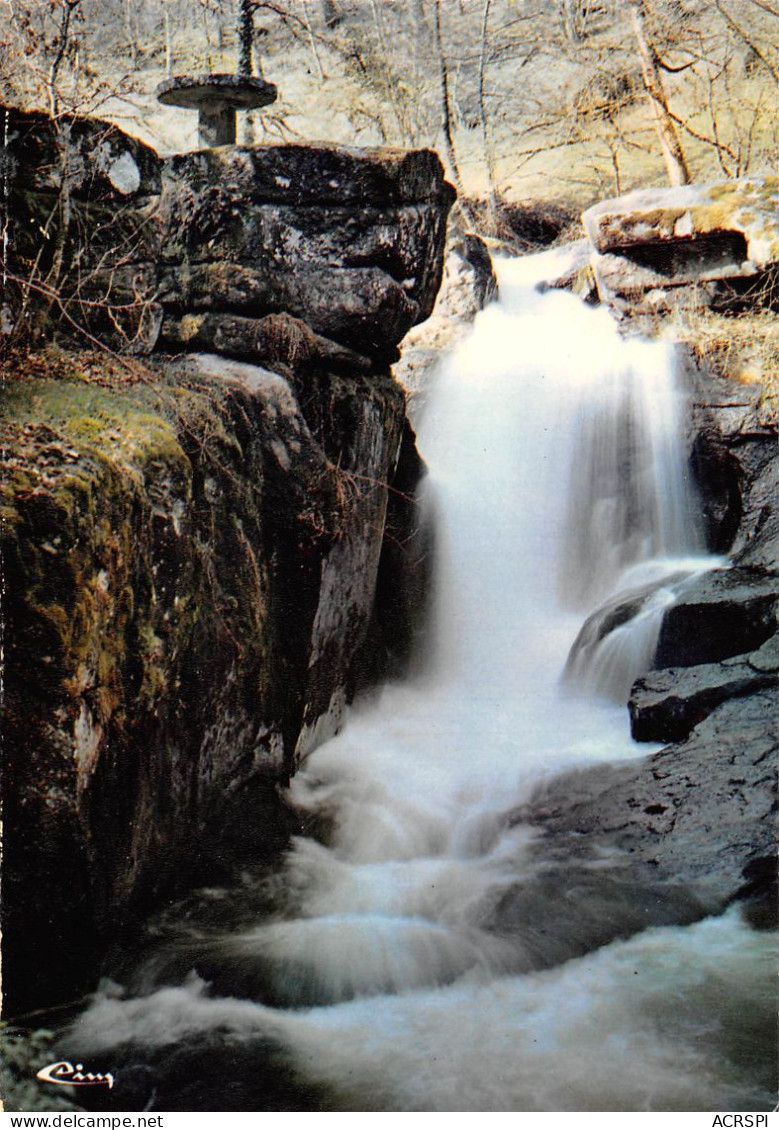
(666, 705)
(735, 459)
(350, 241)
(695, 814)
(206, 554)
(653, 240)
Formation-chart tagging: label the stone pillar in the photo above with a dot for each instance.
(216, 125)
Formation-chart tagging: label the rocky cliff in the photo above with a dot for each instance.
(208, 545)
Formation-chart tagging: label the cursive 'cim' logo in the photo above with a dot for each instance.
(66, 1075)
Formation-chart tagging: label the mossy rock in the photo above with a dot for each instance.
(191, 556)
(690, 213)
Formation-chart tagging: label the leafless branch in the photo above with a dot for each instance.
(742, 35)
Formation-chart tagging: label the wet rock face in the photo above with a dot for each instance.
(666, 705)
(717, 639)
(696, 814)
(468, 284)
(725, 613)
(734, 460)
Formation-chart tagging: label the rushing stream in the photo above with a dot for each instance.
(390, 976)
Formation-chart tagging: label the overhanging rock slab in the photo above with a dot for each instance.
(670, 237)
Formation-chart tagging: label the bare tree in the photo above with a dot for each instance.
(246, 38)
(675, 162)
(489, 152)
(67, 11)
(446, 105)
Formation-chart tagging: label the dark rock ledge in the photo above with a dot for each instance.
(694, 815)
(349, 241)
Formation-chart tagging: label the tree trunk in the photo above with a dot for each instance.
(312, 42)
(132, 39)
(675, 163)
(168, 43)
(246, 37)
(489, 152)
(63, 38)
(421, 39)
(446, 113)
(378, 27)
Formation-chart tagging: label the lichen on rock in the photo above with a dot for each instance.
(651, 245)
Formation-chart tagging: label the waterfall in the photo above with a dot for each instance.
(630, 501)
(387, 979)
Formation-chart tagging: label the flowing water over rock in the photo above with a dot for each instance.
(387, 977)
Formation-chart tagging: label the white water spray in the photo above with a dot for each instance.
(667, 1021)
(394, 924)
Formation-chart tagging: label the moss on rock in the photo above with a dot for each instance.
(190, 581)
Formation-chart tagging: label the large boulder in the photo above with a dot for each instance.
(669, 216)
(653, 240)
(350, 240)
(92, 159)
(724, 613)
(114, 239)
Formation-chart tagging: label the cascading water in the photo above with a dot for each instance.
(387, 979)
(630, 501)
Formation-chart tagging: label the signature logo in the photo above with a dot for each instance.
(64, 1074)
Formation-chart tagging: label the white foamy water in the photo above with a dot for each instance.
(556, 480)
(671, 1020)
